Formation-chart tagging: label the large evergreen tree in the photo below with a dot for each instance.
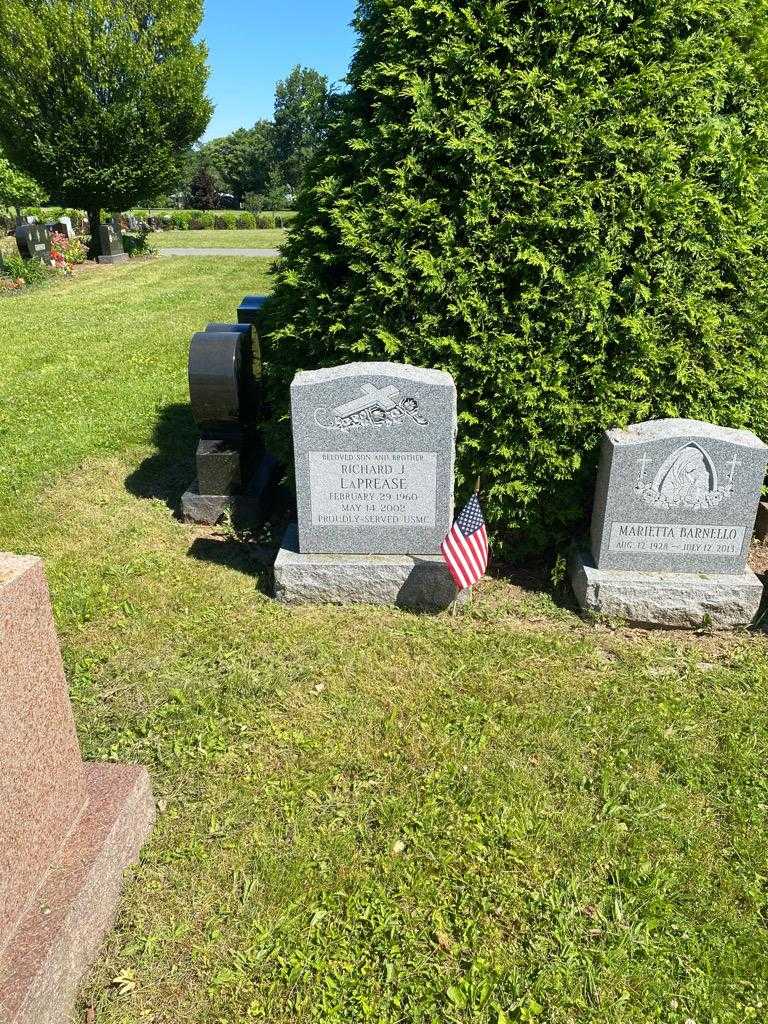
(563, 204)
(99, 99)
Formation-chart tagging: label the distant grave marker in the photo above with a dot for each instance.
(34, 242)
(111, 245)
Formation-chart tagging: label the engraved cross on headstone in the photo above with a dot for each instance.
(373, 398)
(732, 466)
(643, 463)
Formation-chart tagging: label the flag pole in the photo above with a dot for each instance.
(472, 588)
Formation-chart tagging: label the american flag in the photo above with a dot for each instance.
(465, 549)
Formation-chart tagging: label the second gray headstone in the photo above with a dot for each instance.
(677, 495)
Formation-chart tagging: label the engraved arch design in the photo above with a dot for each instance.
(687, 476)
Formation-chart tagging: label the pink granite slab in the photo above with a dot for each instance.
(42, 782)
(67, 830)
(63, 928)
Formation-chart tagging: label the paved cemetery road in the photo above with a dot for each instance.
(264, 253)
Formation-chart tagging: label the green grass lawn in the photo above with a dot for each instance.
(256, 239)
(366, 815)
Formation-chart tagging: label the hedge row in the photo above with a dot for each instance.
(180, 220)
(197, 220)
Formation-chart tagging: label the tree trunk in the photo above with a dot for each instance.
(94, 222)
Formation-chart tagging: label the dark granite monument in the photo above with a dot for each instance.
(34, 242)
(225, 386)
(111, 244)
(374, 456)
(674, 512)
(249, 308)
(68, 830)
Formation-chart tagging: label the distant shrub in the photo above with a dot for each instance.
(202, 220)
(137, 243)
(225, 220)
(245, 221)
(181, 219)
(255, 202)
(265, 220)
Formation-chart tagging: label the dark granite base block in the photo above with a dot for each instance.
(219, 467)
(250, 506)
(416, 582)
(120, 258)
(60, 935)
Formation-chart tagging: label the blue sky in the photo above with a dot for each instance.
(255, 43)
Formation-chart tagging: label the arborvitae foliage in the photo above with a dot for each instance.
(562, 204)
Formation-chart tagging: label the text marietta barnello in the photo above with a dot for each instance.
(683, 532)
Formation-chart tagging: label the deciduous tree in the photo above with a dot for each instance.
(99, 99)
(301, 117)
(17, 189)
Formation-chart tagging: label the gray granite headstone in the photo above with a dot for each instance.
(374, 451)
(64, 227)
(677, 496)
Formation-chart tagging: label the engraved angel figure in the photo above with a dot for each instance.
(688, 480)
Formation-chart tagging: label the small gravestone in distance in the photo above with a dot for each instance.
(34, 242)
(374, 461)
(674, 511)
(111, 245)
(63, 226)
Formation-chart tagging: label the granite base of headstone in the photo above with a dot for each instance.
(762, 521)
(674, 512)
(235, 474)
(374, 460)
(249, 506)
(415, 582)
(111, 245)
(68, 830)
